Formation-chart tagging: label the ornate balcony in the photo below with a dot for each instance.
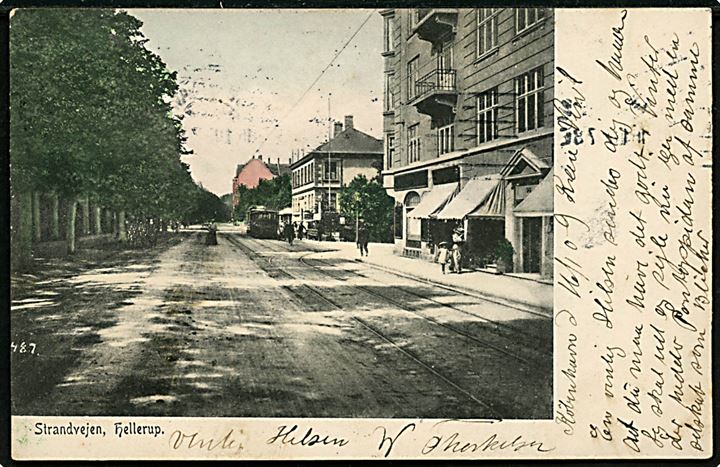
(433, 23)
(435, 93)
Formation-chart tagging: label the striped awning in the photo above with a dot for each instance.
(475, 194)
(494, 204)
(434, 200)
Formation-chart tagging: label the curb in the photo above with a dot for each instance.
(517, 304)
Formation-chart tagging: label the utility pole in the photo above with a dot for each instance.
(330, 126)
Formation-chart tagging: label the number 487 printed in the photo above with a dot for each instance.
(22, 347)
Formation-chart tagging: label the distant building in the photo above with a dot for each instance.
(318, 175)
(250, 173)
(468, 130)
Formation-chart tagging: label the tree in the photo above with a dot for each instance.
(275, 193)
(368, 201)
(92, 118)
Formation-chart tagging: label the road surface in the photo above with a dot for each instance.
(260, 328)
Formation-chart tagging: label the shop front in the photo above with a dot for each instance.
(422, 226)
(479, 209)
(535, 229)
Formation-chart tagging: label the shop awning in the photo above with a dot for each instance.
(494, 203)
(475, 194)
(540, 201)
(434, 200)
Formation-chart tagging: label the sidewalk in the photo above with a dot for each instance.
(501, 288)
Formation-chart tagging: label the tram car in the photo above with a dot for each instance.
(262, 222)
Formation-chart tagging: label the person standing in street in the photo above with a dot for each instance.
(458, 241)
(362, 240)
(300, 231)
(289, 233)
(212, 234)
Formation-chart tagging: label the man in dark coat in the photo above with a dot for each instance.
(289, 232)
(362, 240)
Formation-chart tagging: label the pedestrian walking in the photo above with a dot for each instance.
(443, 256)
(289, 233)
(362, 240)
(301, 231)
(458, 240)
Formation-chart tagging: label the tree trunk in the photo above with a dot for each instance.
(21, 231)
(109, 228)
(37, 232)
(70, 233)
(85, 203)
(98, 220)
(55, 223)
(122, 233)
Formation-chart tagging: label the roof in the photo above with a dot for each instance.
(252, 172)
(352, 140)
(540, 201)
(279, 169)
(476, 192)
(434, 200)
(524, 162)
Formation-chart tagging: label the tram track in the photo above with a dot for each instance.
(266, 263)
(501, 330)
(506, 329)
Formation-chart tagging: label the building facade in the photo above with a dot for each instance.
(318, 176)
(253, 171)
(468, 124)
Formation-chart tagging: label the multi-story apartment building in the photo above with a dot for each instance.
(468, 124)
(318, 176)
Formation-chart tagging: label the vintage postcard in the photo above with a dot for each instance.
(429, 233)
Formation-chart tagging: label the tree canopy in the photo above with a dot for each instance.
(275, 194)
(92, 115)
(368, 200)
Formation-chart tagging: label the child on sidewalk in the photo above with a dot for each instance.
(443, 255)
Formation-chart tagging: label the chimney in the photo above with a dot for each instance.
(337, 129)
(348, 122)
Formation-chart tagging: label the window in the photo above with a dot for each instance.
(486, 34)
(389, 150)
(388, 99)
(330, 170)
(446, 139)
(487, 121)
(529, 100)
(328, 201)
(412, 77)
(527, 17)
(388, 34)
(413, 143)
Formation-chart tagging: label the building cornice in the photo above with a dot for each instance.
(495, 144)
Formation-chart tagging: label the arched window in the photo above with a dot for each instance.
(412, 199)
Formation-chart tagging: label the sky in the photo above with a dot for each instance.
(242, 74)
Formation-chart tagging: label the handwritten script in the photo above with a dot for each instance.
(632, 258)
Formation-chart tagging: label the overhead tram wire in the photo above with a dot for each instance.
(312, 85)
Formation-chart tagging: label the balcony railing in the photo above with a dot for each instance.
(437, 80)
(435, 93)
